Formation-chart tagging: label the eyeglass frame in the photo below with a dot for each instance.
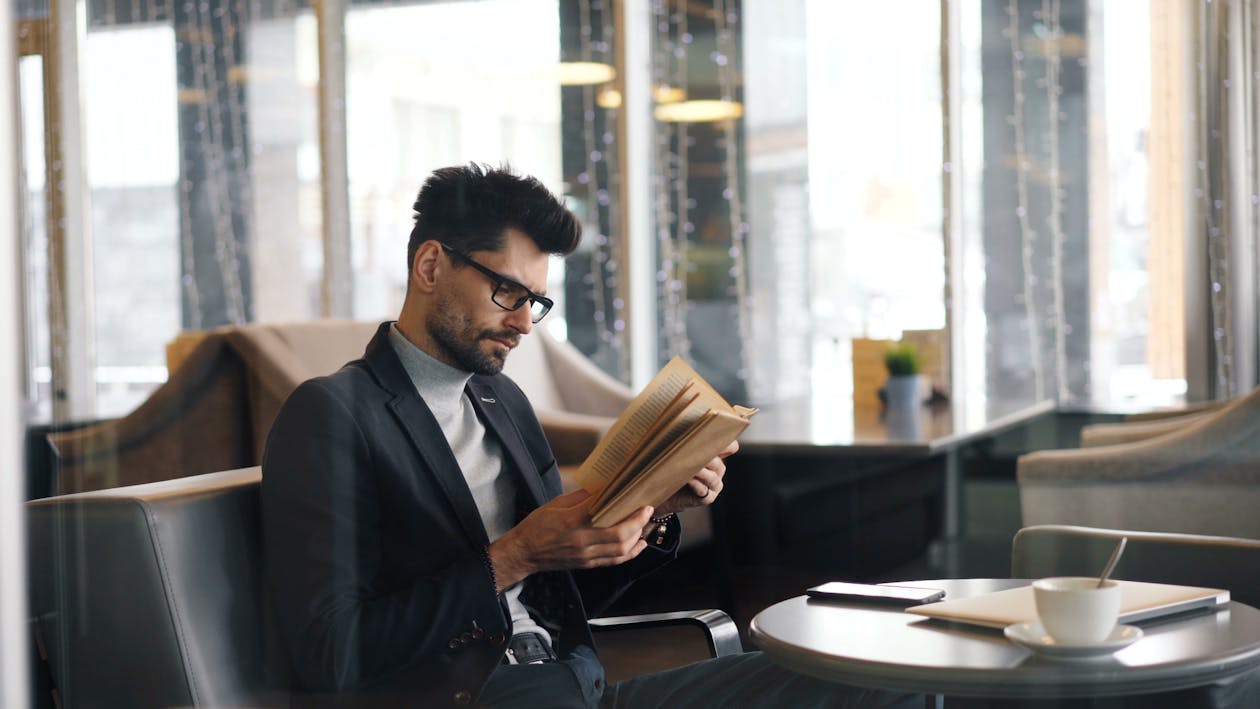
(499, 280)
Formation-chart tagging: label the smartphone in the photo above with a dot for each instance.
(900, 595)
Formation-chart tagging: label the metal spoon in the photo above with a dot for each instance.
(1111, 563)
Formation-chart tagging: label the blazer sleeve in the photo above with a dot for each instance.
(598, 587)
(322, 537)
(601, 587)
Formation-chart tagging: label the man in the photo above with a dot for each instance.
(418, 549)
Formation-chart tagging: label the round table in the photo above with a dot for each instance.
(883, 647)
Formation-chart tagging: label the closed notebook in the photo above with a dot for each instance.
(1138, 601)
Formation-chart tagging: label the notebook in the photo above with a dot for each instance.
(1138, 601)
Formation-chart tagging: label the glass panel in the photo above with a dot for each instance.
(763, 285)
(133, 168)
(1138, 318)
(420, 96)
(1073, 281)
(35, 236)
(203, 201)
(595, 293)
(874, 132)
(701, 219)
(281, 96)
(1030, 153)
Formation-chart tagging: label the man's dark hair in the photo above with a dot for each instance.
(468, 207)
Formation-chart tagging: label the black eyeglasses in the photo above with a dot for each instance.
(508, 294)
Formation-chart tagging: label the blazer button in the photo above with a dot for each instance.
(463, 697)
(453, 643)
(498, 638)
(478, 633)
(465, 638)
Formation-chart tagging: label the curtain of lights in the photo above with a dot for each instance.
(1036, 199)
(1227, 187)
(595, 299)
(216, 188)
(1047, 137)
(700, 222)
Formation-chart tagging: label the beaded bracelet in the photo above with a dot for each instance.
(662, 529)
(485, 561)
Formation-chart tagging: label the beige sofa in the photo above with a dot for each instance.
(215, 409)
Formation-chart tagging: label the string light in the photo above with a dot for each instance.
(675, 135)
(1213, 109)
(723, 56)
(669, 68)
(1026, 232)
(599, 180)
(1050, 14)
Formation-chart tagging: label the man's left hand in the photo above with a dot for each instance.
(703, 488)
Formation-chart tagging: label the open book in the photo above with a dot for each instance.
(663, 438)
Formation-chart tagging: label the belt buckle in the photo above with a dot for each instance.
(529, 649)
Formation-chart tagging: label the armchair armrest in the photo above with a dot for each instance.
(719, 630)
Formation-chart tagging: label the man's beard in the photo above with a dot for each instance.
(455, 333)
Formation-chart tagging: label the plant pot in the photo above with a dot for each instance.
(904, 392)
(903, 423)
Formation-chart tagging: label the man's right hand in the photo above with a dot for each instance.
(559, 536)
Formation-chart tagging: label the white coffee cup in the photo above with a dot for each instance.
(1074, 610)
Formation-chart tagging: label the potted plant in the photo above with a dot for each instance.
(904, 385)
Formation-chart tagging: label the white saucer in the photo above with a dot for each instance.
(1035, 638)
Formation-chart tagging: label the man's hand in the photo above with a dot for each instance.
(702, 489)
(559, 535)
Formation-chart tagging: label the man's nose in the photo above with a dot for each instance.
(521, 319)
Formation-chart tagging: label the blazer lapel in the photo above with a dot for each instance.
(426, 435)
(495, 415)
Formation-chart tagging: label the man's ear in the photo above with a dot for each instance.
(426, 265)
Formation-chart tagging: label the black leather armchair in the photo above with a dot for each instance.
(152, 596)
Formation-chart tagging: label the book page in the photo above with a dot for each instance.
(620, 443)
(673, 423)
(673, 467)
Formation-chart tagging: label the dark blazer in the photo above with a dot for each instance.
(373, 541)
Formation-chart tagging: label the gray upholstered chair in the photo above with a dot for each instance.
(1139, 429)
(575, 400)
(1202, 478)
(152, 596)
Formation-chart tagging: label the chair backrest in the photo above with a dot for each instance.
(152, 595)
(556, 376)
(1203, 478)
(529, 367)
(1186, 559)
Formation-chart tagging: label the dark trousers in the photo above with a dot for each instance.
(747, 680)
(751, 680)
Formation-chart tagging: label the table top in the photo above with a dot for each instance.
(884, 647)
(818, 423)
